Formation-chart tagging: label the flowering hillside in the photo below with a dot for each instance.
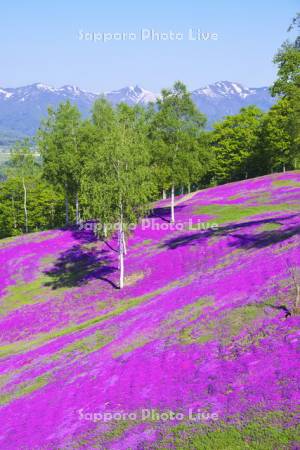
(199, 350)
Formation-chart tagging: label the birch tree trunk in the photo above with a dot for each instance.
(121, 265)
(67, 210)
(77, 209)
(164, 194)
(105, 230)
(189, 188)
(172, 204)
(297, 296)
(121, 253)
(25, 205)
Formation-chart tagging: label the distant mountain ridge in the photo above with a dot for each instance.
(227, 98)
(22, 108)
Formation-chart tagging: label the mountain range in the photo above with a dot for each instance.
(22, 108)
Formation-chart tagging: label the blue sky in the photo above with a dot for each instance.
(40, 41)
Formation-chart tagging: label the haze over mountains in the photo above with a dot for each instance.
(22, 108)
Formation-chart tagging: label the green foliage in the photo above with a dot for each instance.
(288, 61)
(22, 188)
(179, 151)
(252, 143)
(276, 150)
(117, 181)
(235, 140)
(45, 206)
(64, 141)
(287, 86)
(58, 144)
(22, 162)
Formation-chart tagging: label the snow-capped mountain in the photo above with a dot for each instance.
(131, 95)
(227, 98)
(22, 108)
(224, 89)
(38, 89)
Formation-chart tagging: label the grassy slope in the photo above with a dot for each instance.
(203, 323)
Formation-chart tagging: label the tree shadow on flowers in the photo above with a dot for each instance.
(265, 238)
(78, 265)
(164, 212)
(247, 239)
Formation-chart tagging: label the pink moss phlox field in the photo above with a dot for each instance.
(205, 320)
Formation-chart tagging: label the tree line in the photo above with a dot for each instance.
(110, 167)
